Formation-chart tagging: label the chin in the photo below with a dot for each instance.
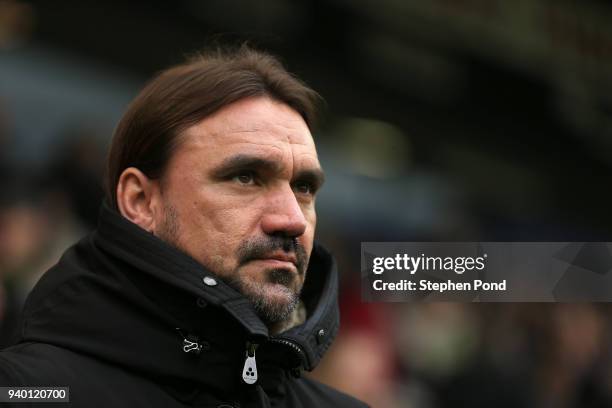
(273, 302)
(276, 293)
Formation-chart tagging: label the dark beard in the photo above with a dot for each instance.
(268, 311)
(168, 231)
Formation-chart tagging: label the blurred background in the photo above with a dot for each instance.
(447, 120)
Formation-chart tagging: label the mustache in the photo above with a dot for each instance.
(260, 247)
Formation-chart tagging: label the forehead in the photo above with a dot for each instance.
(255, 124)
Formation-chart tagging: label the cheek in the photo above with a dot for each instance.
(217, 223)
(227, 215)
(308, 238)
(312, 218)
(212, 236)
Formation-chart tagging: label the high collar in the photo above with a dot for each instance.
(126, 297)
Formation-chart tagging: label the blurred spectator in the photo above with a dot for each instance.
(36, 226)
(76, 171)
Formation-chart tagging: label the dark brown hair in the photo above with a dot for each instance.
(183, 95)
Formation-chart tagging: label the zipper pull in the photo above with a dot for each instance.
(189, 345)
(249, 372)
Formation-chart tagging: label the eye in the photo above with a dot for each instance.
(245, 177)
(303, 187)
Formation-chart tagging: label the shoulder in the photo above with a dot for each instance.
(8, 373)
(326, 395)
(41, 364)
(18, 366)
(46, 365)
(31, 364)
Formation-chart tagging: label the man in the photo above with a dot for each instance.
(202, 285)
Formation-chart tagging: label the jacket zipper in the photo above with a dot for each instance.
(297, 349)
(296, 371)
(249, 371)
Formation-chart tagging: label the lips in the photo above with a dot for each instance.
(279, 256)
(280, 260)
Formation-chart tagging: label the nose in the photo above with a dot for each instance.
(283, 215)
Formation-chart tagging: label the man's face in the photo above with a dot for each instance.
(238, 195)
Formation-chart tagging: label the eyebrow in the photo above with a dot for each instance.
(232, 164)
(245, 161)
(314, 176)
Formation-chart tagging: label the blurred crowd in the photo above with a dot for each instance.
(43, 210)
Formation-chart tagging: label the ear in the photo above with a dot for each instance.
(138, 198)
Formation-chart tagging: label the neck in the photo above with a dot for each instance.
(297, 317)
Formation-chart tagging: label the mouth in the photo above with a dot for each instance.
(279, 259)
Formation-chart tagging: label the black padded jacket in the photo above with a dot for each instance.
(125, 320)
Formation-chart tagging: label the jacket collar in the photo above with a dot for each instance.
(127, 241)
